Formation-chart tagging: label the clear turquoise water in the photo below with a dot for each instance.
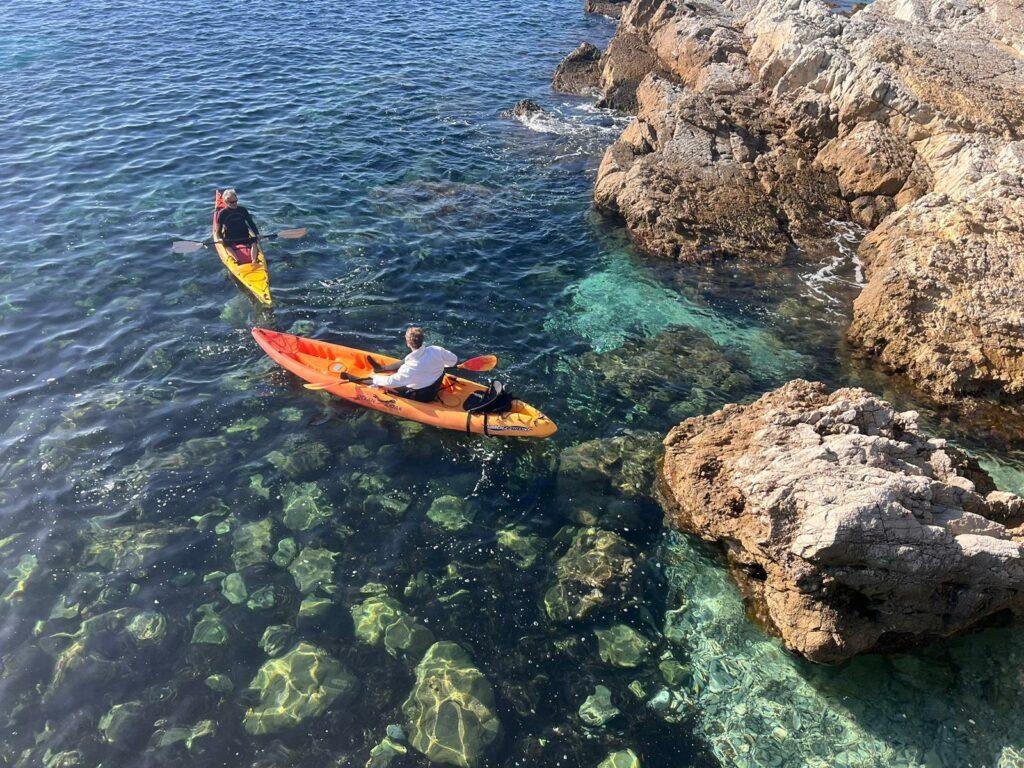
(134, 401)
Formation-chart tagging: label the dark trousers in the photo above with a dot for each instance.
(424, 395)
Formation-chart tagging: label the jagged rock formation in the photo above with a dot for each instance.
(758, 123)
(580, 71)
(612, 8)
(848, 530)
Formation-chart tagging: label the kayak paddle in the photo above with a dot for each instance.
(191, 246)
(481, 363)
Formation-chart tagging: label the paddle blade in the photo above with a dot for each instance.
(292, 234)
(482, 363)
(185, 246)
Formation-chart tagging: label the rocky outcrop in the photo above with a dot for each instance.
(758, 124)
(580, 71)
(847, 529)
(611, 8)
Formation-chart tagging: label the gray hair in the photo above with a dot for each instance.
(229, 194)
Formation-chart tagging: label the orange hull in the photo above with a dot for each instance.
(320, 362)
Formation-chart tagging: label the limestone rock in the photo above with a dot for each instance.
(313, 567)
(523, 109)
(759, 124)
(251, 542)
(610, 8)
(295, 687)
(450, 711)
(452, 513)
(847, 529)
(624, 758)
(597, 572)
(580, 71)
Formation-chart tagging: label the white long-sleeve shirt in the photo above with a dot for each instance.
(421, 368)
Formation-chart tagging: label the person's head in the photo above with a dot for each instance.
(230, 197)
(414, 337)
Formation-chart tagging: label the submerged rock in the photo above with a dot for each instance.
(210, 629)
(385, 752)
(624, 758)
(450, 711)
(233, 588)
(313, 567)
(847, 529)
(300, 457)
(598, 708)
(304, 506)
(295, 687)
(276, 638)
(610, 482)
(579, 72)
(597, 572)
(129, 548)
(148, 627)
(525, 546)
(381, 621)
(286, 550)
(195, 739)
(451, 513)
(219, 683)
(622, 646)
(252, 543)
(121, 723)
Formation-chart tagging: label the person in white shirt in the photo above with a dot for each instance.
(418, 377)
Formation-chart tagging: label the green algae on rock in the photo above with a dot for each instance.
(596, 572)
(598, 709)
(252, 543)
(249, 427)
(381, 621)
(451, 513)
(304, 506)
(295, 687)
(313, 607)
(313, 567)
(450, 711)
(20, 576)
(622, 646)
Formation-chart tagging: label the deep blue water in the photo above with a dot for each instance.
(134, 401)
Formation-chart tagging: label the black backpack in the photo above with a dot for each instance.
(496, 399)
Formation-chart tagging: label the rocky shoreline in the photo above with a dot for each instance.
(758, 125)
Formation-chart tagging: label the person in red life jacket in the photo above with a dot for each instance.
(418, 377)
(236, 227)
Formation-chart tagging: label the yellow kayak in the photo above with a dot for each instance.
(252, 274)
(319, 362)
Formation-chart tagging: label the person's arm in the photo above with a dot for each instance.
(251, 223)
(399, 378)
(219, 233)
(450, 359)
(378, 368)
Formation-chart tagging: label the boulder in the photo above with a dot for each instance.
(759, 125)
(611, 8)
(579, 72)
(450, 711)
(847, 529)
(597, 573)
(296, 687)
(523, 109)
(381, 621)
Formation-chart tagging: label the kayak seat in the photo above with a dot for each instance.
(242, 254)
(496, 399)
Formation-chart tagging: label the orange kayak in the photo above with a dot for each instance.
(320, 362)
